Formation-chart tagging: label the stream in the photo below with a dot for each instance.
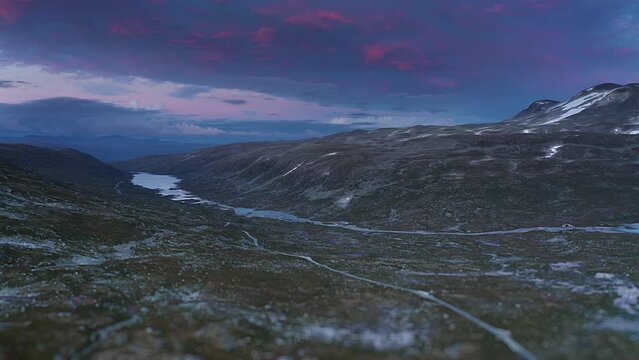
(168, 186)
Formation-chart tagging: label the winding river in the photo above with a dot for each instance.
(168, 185)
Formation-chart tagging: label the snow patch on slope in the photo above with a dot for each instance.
(384, 340)
(578, 105)
(344, 201)
(554, 150)
(293, 169)
(627, 298)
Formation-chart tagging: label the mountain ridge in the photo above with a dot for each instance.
(108, 148)
(434, 177)
(605, 107)
(66, 166)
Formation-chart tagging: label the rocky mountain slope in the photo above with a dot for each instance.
(606, 108)
(107, 148)
(93, 273)
(64, 166)
(554, 163)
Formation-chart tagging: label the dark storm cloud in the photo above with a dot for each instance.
(359, 115)
(235, 101)
(7, 84)
(105, 89)
(483, 57)
(87, 118)
(189, 92)
(75, 117)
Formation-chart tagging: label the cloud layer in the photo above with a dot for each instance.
(70, 117)
(477, 60)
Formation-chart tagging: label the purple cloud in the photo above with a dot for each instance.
(189, 92)
(480, 59)
(235, 101)
(264, 35)
(10, 10)
(319, 19)
(9, 84)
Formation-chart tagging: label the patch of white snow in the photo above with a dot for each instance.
(578, 105)
(344, 201)
(627, 298)
(554, 150)
(564, 266)
(293, 169)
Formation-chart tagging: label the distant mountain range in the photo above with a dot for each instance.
(610, 108)
(107, 269)
(605, 108)
(553, 163)
(108, 148)
(85, 125)
(64, 166)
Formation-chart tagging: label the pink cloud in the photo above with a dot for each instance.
(316, 48)
(74, 63)
(544, 5)
(191, 40)
(553, 60)
(198, 40)
(9, 9)
(320, 19)
(483, 17)
(496, 8)
(401, 57)
(384, 22)
(129, 28)
(444, 83)
(375, 53)
(280, 9)
(224, 34)
(404, 65)
(212, 55)
(207, 48)
(264, 35)
(627, 51)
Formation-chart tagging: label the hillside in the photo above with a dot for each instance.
(64, 166)
(106, 274)
(577, 168)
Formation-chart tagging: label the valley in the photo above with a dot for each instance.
(245, 286)
(415, 243)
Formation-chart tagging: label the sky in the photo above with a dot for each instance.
(298, 68)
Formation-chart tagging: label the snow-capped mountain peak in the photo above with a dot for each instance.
(606, 106)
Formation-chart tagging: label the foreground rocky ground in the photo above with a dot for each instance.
(130, 274)
(395, 243)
